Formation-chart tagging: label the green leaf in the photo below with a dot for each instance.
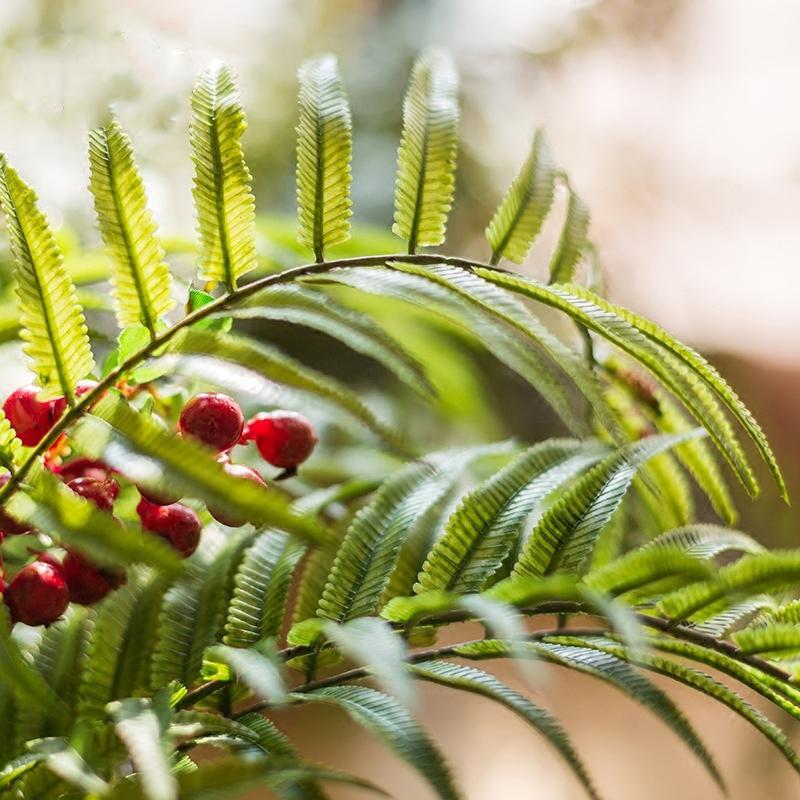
(261, 589)
(53, 325)
(152, 456)
(275, 366)
(469, 679)
(303, 306)
(324, 151)
(488, 522)
(572, 242)
(141, 278)
(520, 215)
(50, 506)
(565, 535)
(761, 572)
(777, 641)
(704, 540)
(259, 668)
(139, 727)
(198, 299)
(63, 761)
(372, 643)
(369, 551)
(426, 159)
(9, 444)
(391, 723)
(222, 195)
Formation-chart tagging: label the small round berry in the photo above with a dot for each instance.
(8, 525)
(244, 473)
(284, 438)
(88, 584)
(213, 418)
(38, 595)
(85, 468)
(30, 418)
(176, 523)
(101, 493)
(160, 498)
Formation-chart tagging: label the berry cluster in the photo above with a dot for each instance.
(41, 591)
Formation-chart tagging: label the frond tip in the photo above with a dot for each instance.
(324, 151)
(141, 279)
(426, 160)
(53, 326)
(222, 194)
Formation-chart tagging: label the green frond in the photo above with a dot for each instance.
(392, 724)
(703, 540)
(275, 366)
(65, 763)
(777, 641)
(142, 282)
(722, 623)
(261, 589)
(526, 204)
(572, 242)
(150, 455)
(9, 444)
(53, 325)
(25, 683)
(259, 668)
(469, 679)
(752, 574)
(681, 370)
(648, 571)
(301, 305)
(369, 551)
(383, 652)
(139, 727)
(566, 533)
(487, 524)
(192, 615)
(788, 613)
(223, 198)
(426, 159)
(324, 151)
(71, 520)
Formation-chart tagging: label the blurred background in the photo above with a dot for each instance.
(678, 123)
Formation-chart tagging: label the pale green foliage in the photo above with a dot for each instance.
(142, 282)
(324, 151)
(222, 196)
(377, 544)
(53, 325)
(426, 160)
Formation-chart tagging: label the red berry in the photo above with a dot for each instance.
(244, 473)
(88, 583)
(213, 418)
(160, 498)
(85, 468)
(284, 438)
(176, 523)
(38, 595)
(30, 418)
(8, 525)
(83, 387)
(101, 493)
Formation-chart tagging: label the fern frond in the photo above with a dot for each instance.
(572, 242)
(368, 553)
(9, 444)
(324, 151)
(391, 723)
(777, 641)
(261, 589)
(523, 209)
(53, 325)
(469, 679)
(275, 366)
(760, 572)
(142, 282)
(64, 762)
(426, 159)
(223, 198)
(704, 540)
(259, 668)
(565, 535)
(485, 527)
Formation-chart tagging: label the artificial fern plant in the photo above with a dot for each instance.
(336, 590)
